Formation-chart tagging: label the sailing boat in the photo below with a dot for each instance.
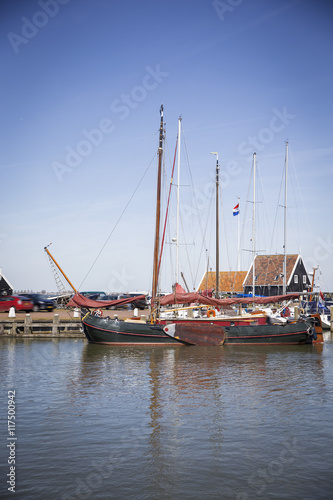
(105, 330)
(238, 330)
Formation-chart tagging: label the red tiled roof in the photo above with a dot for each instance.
(229, 281)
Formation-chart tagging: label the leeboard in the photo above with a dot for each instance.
(200, 335)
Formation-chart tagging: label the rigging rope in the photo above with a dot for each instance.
(276, 214)
(167, 210)
(299, 225)
(200, 226)
(117, 222)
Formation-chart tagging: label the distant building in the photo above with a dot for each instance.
(269, 275)
(229, 281)
(5, 287)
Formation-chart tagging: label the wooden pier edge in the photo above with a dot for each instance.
(19, 328)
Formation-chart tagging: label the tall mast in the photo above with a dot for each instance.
(157, 223)
(178, 187)
(285, 223)
(217, 231)
(217, 288)
(254, 225)
(238, 236)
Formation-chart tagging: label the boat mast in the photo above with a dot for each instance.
(157, 224)
(238, 236)
(254, 225)
(285, 223)
(217, 287)
(313, 278)
(178, 188)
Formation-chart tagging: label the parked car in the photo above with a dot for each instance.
(94, 295)
(40, 301)
(142, 303)
(18, 302)
(108, 297)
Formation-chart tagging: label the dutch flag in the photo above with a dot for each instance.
(236, 210)
(321, 299)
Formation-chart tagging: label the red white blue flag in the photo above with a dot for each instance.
(236, 210)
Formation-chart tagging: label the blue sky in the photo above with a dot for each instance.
(81, 87)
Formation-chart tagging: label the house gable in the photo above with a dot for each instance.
(5, 287)
(269, 274)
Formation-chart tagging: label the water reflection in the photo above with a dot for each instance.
(169, 421)
(193, 397)
(201, 374)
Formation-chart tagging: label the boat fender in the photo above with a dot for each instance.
(210, 313)
(98, 313)
(312, 332)
(286, 312)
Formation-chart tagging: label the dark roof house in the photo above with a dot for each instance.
(5, 287)
(269, 275)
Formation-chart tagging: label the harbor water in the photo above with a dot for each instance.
(166, 422)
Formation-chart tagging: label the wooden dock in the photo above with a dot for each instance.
(26, 327)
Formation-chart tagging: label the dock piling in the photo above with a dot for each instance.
(55, 325)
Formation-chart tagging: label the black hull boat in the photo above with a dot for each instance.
(105, 330)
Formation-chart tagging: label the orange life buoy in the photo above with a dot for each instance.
(210, 313)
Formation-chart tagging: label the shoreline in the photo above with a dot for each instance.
(67, 314)
(59, 323)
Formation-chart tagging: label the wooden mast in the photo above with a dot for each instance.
(238, 235)
(157, 223)
(217, 279)
(178, 192)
